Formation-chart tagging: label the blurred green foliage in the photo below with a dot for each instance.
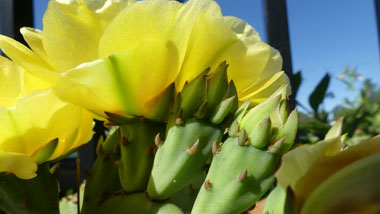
(361, 114)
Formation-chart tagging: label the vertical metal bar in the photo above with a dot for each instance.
(15, 15)
(377, 8)
(22, 16)
(278, 35)
(6, 17)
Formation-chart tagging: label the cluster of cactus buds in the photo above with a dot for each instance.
(243, 167)
(208, 157)
(195, 125)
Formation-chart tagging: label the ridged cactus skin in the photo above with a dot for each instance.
(238, 176)
(200, 113)
(182, 157)
(35, 196)
(137, 203)
(103, 179)
(243, 167)
(137, 148)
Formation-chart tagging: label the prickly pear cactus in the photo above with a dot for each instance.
(137, 153)
(243, 166)
(196, 123)
(34, 196)
(137, 203)
(103, 179)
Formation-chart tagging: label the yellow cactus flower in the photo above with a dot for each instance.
(119, 56)
(35, 125)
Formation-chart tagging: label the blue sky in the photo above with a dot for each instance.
(326, 36)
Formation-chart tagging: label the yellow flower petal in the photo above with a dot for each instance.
(90, 86)
(123, 82)
(10, 82)
(21, 165)
(36, 120)
(15, 83)
(70, 35)
(27, 59)
(260, 91)
(210, 37)
(34, 39)
(106, 10)
(139, 21)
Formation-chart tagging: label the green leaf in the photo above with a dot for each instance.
(318, 95)
(354, 189)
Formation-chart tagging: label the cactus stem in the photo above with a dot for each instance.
(106, 157)
(100, 202)
(25, 203)
(124, 140)
(243, 175)
(242, 138)
(194, 148)
(276, 147)
(208, 184)
(118, 192)
(149, 150)
(116, 149)
(202, 110)
(157, 141)
(116, 162)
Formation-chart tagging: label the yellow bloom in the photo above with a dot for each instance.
(118, 56)
(35, 126)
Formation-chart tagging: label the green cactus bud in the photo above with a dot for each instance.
(240, 112)
(287, 132)
(34, 196)
(223, 109)
(43, 154)
(137, 153)
(182, 157)
(237, 178)
(137, 203)
(260, 136)
(258, 113)
(217, 84)
(194, 94)
(335, 130)
(159, 105)
(103, 179)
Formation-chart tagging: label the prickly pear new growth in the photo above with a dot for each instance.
(103, 179)
(195, 125)
(243, 170)
(137, 148)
